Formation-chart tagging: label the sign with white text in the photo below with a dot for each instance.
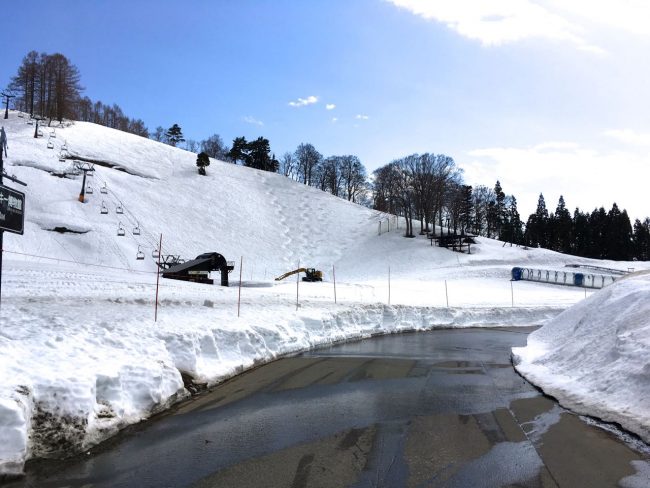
(12, 210)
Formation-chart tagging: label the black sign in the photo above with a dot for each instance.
(12, 210)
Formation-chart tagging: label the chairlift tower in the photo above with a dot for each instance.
(85, 167)
(37, 119)
(7, 97)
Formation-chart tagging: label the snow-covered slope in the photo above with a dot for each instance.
(80, 353)
(595, 357)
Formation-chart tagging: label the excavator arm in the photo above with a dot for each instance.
(299, 270)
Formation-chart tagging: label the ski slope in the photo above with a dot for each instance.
(80, 353)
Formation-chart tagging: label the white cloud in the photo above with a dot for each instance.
(335, 120)
(330, 106)
(585, 177)
(629, 136)
(252, 120)
(361, 117)
(496, 22)
(301, 102)
(631, 16)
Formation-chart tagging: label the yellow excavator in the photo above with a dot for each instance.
(311, 274)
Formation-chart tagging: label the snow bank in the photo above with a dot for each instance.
(595, 357)
(69, 386)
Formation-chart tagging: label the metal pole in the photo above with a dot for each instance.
(512, 293)
(446, 294)
(241, 264)
(334, 278)
(157, 278)
(82, 195)
(297, 285)
(389, 286)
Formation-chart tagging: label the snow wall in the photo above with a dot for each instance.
(66, 413)
(595, 356)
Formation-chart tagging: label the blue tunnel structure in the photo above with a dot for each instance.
(568, 278)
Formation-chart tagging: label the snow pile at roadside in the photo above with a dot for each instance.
(595, 357)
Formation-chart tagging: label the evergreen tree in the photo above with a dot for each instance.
(259, 155)
(536, 226)
(499, 209)
(581, 233)
(174, 135)
(239, 150)
(641, 239)
(202, 161)
(562, 228)
(618, 235)
(597, 225)
(512, 226)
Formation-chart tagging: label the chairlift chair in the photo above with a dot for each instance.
(65, 146)
(21, 115)
(139, 255)
(62, 157)
(119, 209)
(104, 209)
(50, 144)
(89, 189)
(40, 133)
(104, 189)
(120, 229)
(30, 122)
(136, 230)
(53, 133)
(155, 254)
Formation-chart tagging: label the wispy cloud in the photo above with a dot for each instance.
(499, 22)
(335, 120)
(252, 120)
(361, 117)
(629, 136)
(330, 106)
(301, 102)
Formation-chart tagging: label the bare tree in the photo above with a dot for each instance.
(158, 134)
(214, 147)
(288, 166)
(307, 158)
(192, 146)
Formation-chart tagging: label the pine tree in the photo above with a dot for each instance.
(499, 209)
(259, 155)
(641, 239)
(174, 135)
(581, 233)
(239, 150)
(536, 226)
(202, 161)
(562, 228)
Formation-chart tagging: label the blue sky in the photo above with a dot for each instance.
(545, 95)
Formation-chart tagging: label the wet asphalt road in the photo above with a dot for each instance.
(442, 408)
